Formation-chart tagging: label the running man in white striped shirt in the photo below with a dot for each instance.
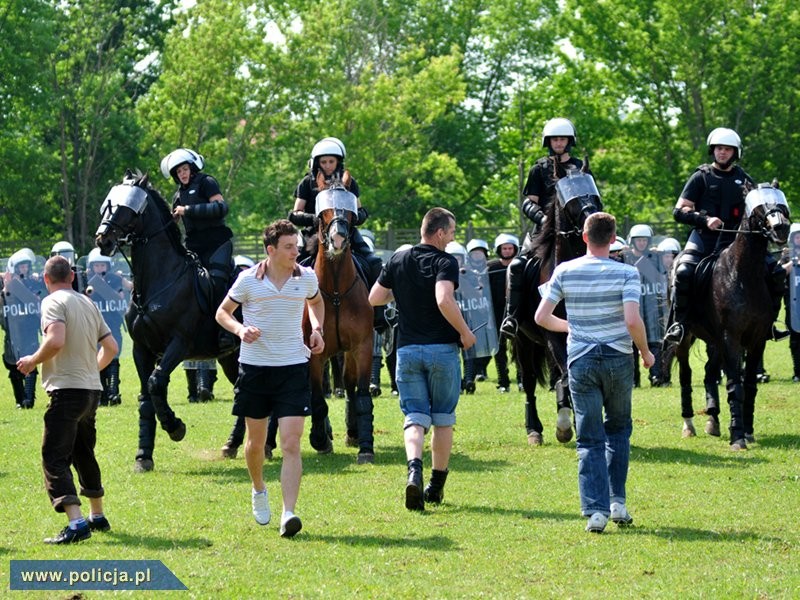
(273, 361)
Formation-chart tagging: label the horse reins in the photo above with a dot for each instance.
(336, 298)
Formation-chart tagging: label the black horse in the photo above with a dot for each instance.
(559, 240)
(735, 309)
(171, 314)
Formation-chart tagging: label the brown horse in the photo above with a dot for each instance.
(347, 328)
(559, 240)
(736, 313)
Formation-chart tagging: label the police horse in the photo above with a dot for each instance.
(171, 314)
(347, 329)
(559, 240)
(735, 313)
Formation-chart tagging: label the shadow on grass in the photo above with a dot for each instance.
(512, 512)
(664, 454)
(694, 534)
(436, 542)
(117, 538)
(783, 440)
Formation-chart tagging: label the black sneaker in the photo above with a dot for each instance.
(99, 524)
(70, 536)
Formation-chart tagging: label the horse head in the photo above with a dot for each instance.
(578, 198)
(122, 213)
(767, 211)
(337, 210)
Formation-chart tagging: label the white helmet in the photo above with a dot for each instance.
(367, 235)
(722, 136)
(329, 146)
(478, 243)
(240, 260)
(794, 228)
(505, 238)
(19, 257)
(616, 245)
(669, 245)
(558, 127)
(64, 249)
(640, 230)
(95, 256)
(403, 247)
(622, 241)
(370, 244)
(456, 250)
(177, 158)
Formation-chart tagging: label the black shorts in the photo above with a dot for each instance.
(278, 391)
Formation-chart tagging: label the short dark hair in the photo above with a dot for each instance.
(276, 230)
(436, 218)
(57, 269)
(600, 228)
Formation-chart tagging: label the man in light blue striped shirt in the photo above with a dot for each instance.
(601, 297)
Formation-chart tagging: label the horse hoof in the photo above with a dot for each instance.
(351, 441)
(688, 431)
(374, 390)
(365, 458)
(712, 427)
(749, 438)
(178, 432)
(268, 448)
(229, 451)
(535, 439)
(143, 465)
(564, 425)
(339, 393)
(738, 445)
(327, 449)
(204, 395)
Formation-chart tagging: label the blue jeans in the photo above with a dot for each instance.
(429, 383)
(602, 380)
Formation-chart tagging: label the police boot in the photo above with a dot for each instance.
(113, 395)
(434, 491)
(18, 385)
(235, 439)
(191, 384)
(204, 385)
(469, 375)
(30, 389)
(104, 383)
(415, 499)
(375, 377)
(514, 285)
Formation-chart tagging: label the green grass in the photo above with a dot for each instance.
(708, 523)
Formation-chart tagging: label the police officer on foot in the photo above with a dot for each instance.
(559, 137)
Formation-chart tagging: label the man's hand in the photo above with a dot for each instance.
(26, 364)
(648, 360)
(249, 334)
(315, 341)
(468, 340)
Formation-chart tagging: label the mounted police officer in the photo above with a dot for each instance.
(713, 199)
(199, 203)
(22, 292)
(326, 169)
(107, 291)
(559, 137)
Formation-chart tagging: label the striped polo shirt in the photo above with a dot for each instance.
(278, 313)
(594, 290)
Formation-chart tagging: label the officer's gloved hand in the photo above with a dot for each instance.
(301, 219)
(362, 216)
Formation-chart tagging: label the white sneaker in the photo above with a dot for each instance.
(620, 514)
(290, 524)
(596, 523)
(261, 510)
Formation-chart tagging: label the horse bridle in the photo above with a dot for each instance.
(763, 230)
(586, 206)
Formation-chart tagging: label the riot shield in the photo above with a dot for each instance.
(21, 318)
(107, 299)
(653, 303)
(794, 284)
(474, 297)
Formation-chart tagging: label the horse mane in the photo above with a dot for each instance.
(142, 180)
(545, 239)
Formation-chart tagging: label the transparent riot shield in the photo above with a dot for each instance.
(474, 297)
(654, 302)
(794, 283)
(21, 318)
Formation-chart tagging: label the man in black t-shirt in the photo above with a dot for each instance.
(422, 282)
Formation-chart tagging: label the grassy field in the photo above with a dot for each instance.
(708, 523)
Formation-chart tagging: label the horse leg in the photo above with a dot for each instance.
(710, 382)
(145, 362)
(685, 381)
(525, 369)
(754, 358)
(158, 384)
(320, 436)
(564, 405)
(735, 389)
(356, 378)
